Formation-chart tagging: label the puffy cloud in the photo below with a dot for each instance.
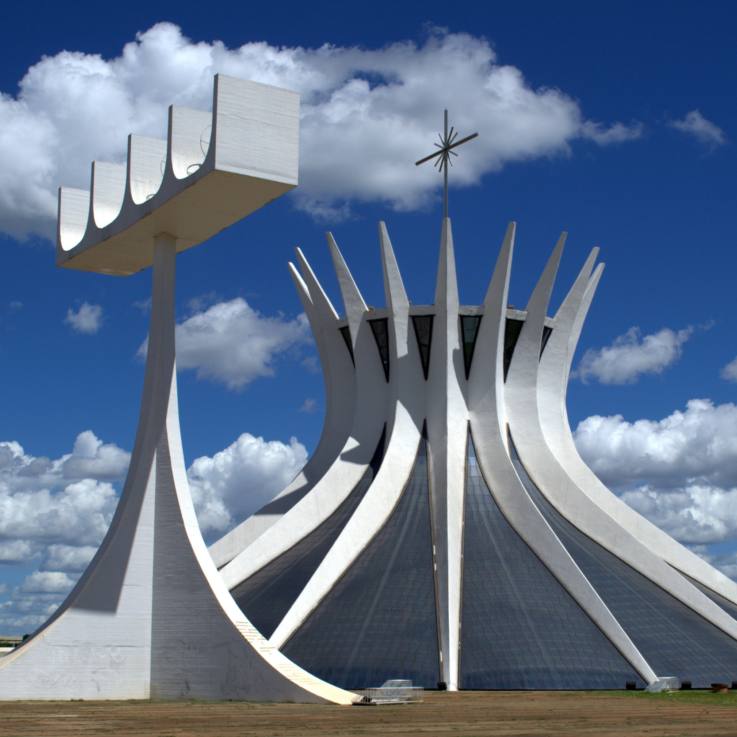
(79, 513)
(55, 512)
(692, 513)
(24, 612)
(86, 319)
(240, 479)
(680, 472)
(91, 458)
(729, 372)
(232, 343)
(699, 443)
(632, 355)
(74, 107)
(72, 558)
(725, 562)
(47, 582)
(703, 130)
(17, 551)
(68, 500)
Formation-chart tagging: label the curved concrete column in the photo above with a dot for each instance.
(367, 424)
(405, 415)
(554, 370)
(340, 389)
(151, 617)
(488, 428)
(447, 420)
(521, 393)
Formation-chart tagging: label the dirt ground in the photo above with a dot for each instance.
(467, 714)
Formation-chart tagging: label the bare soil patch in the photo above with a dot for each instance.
(466, 714)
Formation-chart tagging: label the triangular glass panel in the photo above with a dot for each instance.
(345, 331)
(671, 636)
(546, 334)
(380, 329)
(423, 333)
(469, 332)
(535, 618)
(267, 594)
(511, 333)
(381, 611)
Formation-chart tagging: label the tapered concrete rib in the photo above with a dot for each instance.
(355, 306)
(320, 299)
(521, 391)
(368, 415)
(152, 585)
(486, 402)
(394, 291)
(555, 366)
(340, 388)
(403, 438)
(292, 673)
(447, 416)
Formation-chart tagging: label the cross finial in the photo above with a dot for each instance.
(442, 156)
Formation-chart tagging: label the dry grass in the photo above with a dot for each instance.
(467, 714)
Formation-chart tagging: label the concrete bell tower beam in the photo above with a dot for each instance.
(151, 617)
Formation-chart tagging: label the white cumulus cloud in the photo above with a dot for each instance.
(631, 355)
(703, 130)
(87, 318)
(17, 551)
(91, 458)
(68, 558)
(235, 482)
(73, 107)
(47, 582)
(233, 344)
(55, 512)
(679, 471)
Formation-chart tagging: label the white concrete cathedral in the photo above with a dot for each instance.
(446, 529)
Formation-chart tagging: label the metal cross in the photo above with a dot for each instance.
(445, 151)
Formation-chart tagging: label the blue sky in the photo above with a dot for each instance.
(615, 126)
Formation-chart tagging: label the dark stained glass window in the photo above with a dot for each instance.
(345, 331)
(512, 329)
(423, 333)
(546, 334)
(380, 329)
(378, 621)
(520, 629)
(469, 333)
(674, 639)
(266, 596)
